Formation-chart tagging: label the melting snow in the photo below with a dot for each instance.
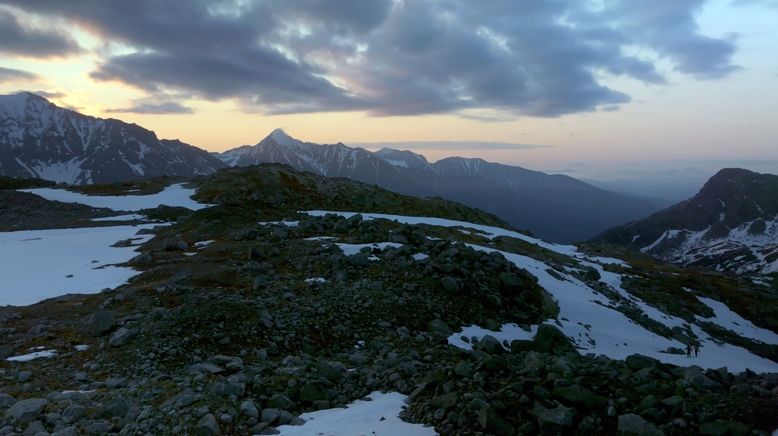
(588, 317)
(379, 416)
(508, 333)
(419, 256)
(488, 231)
(352, 249)
(130, 217)
(32, 356)
(730, 320)
(283, 223)
(40, 264)
(594, 327)
(173, 195)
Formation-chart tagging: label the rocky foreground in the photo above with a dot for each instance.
(239, 323)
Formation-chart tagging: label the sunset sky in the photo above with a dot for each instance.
(546, 84)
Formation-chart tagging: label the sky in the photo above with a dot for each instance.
(599, 88)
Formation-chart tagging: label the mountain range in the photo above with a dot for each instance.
(555, 207)
(731, 225)
(39, 139)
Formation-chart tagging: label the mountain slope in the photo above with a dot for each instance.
(279, 303)
(40, 139)
(730, 225)
(555, 207)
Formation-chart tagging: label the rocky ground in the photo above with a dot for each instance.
(237, 327)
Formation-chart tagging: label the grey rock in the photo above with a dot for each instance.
(174, 244)
(67, 431)
(24, 376)
(439, 327)
(270, 415)
(450, 284)
(117, 407)
(35, 428)
(99, 323)
(121, 337)
(550, 339)
(280, 401)
(73, 413)
(6, 400)
(6, 351)
(634, 425)
(553, 420)
(98, 428)
(248, 408)
(311, 392)
(489, 344)
(721, 428)
(638, 361)
(207, 426)
(142, 259)
(27, 410)
(227, 388)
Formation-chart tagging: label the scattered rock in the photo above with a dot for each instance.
(27, 410)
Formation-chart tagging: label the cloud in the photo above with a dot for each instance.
(451, 145)
(398, 57)
(153, 108)
(49, 94)
(12, 75)
(17, 38)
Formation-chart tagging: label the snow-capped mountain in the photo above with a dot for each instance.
(730, 225)
(555, 207)
(40, 139)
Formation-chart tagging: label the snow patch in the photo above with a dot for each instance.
(730, 320)
(377, 416)
(130, 217)
(352, 249)
(40, 264)
(32, 356)
(173, 195)
(508, 332)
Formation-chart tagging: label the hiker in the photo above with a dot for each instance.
(696, 349)
(688, 350)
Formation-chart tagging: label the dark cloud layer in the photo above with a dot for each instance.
(153, 108)
(19, 39)
(398, 57)
(11, 75)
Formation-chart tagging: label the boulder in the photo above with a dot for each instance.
(6, 400)
(489, 344)
(637, 362)
(311, 392)
(99, 323)
(121, 337)
(550, 339)
(580, 396)
(117, 407)
(207, 426)
(27, 410)
(634, 425)
(553, 421)
(248, 408)
(721, 428)
(450, 284)
(280, 401)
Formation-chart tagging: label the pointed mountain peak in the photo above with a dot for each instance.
(280, 137)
